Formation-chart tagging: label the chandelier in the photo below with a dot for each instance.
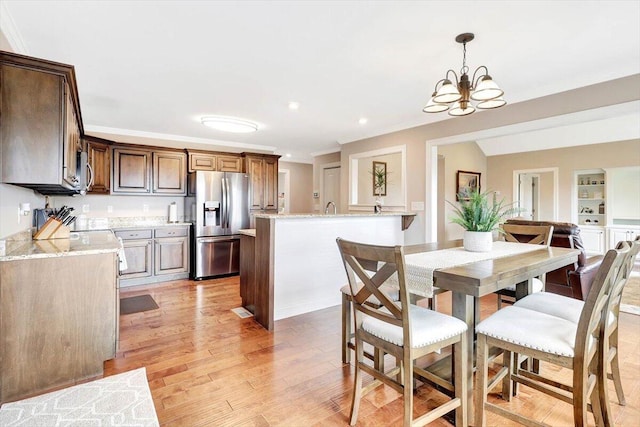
(457, 98)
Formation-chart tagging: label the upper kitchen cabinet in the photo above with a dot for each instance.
(145, 171)
(213, 161)
(263, 172)
(169, 173)
(99, 165)
(41, 129)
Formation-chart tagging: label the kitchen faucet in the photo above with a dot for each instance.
(326, 210)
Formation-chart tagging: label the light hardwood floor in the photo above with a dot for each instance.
(208, 367)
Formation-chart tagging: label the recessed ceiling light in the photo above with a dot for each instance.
(294, 105)
(363, 121)
(229, 124)
(288, 155)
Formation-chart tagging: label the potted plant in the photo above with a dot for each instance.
(379, 183)
(479, 214)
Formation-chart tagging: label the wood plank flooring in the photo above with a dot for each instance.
(208, 367)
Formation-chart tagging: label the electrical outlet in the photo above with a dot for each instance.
(85, 208)
(145, 208)
(110, 209)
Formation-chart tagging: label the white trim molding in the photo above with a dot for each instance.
(10, 31)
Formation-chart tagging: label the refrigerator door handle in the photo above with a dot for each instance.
(225, 201)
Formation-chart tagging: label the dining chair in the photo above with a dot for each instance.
(532, 234)
(570, 309)
(401, 329)
(553, 340)
(347, 331)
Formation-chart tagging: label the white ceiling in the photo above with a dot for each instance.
(153, 68)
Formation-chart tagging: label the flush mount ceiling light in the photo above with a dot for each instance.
(229, 124)
(457, 98)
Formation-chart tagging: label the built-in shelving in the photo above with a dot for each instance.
(591, 197)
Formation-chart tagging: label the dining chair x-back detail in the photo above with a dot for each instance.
(401, 329)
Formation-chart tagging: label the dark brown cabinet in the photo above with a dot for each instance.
(131, 171)
(99, 158)
(214, 161)
(229, 164)
(169, 172)
(263, 172)
(40, 137)
(142, 171)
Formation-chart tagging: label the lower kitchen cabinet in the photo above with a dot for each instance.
(154, 255)
(58, 321)
(620, 233)
(171, 251)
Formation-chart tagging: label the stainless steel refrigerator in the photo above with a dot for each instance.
(219, 209)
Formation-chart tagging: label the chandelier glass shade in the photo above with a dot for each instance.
(455, 94)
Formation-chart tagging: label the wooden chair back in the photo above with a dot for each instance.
(591, 326)
(368, 267)
(533, 234)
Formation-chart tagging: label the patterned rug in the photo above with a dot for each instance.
(118, 400)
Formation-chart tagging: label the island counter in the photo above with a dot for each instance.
(297, 266)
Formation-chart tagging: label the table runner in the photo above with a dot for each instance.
(420, 266)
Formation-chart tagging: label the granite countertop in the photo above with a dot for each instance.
(129, 222)
(321, 215)
(248, 232)
(21, 246)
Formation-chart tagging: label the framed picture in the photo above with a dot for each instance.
(466, 182)
(379, 172)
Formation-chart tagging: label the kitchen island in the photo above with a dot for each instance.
(58, 311)
(297, 267)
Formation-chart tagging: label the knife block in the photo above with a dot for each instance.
(52, 229)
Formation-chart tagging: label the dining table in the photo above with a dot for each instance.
(446, 266)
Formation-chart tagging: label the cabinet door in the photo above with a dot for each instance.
(617, 235)
(270, 196)
(72, 143)
(229, 164)
(31, 154)
(255, 167)
(593, 240)
(171, 255)
(131, 171)
(139, 259)
(169, 173)
(100, 163)
(202, 162)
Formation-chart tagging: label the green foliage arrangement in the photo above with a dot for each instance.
(379, 179)
(480, 211)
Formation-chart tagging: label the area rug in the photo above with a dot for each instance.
(137, 304)
(118, 400)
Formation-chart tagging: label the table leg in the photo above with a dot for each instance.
(524, 288)
(463, 309)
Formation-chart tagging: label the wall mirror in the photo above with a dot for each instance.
(535, 191)
(391, 162)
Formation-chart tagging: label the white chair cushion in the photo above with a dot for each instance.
(427, 327)
(392, 292)
(537, 286)
(531, 329)
(556, 305)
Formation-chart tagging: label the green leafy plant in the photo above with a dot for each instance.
(480, 211)
(379, 179)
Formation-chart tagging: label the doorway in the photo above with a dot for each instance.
(529, 196)
(536, 193)
(330, 191)
(284, 205)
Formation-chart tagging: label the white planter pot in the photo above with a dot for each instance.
(478, 241)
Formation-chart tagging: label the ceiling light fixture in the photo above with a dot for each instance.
(229, 124)
(457, 98)
(294, 105)
(363, 121)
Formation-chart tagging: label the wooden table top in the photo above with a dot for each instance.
(484, 277)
